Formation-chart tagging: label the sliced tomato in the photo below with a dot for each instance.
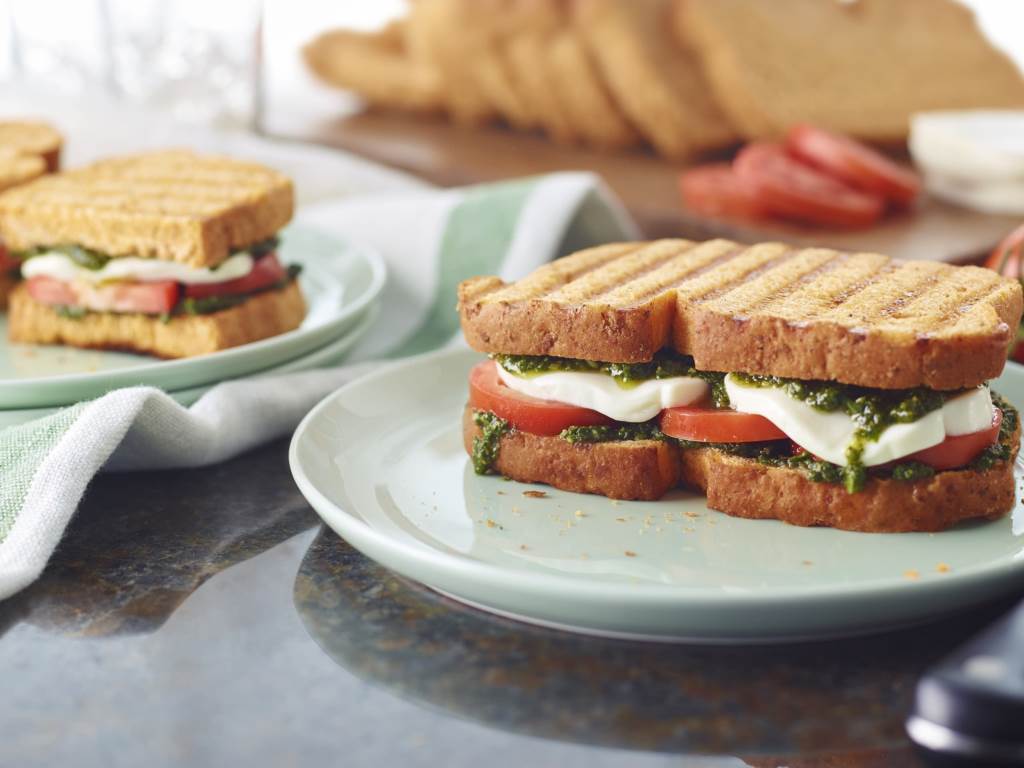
(487, 392)
(714, 425)
(7, 262)
(153, 298)
(265, 272)
(958, 450)
(1007, 260)
(792, 189)
(856, 164)
(717, 190)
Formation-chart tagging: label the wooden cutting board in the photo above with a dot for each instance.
(451, 155)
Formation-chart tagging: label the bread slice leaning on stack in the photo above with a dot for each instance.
(869, 324)
(199, 230)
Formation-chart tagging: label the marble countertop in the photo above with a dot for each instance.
(206, 618)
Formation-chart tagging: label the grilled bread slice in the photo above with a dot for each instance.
(809, 313)
(32, 138)
(656, 80)
(172, 205)
(860, 67)
(260, 316)
(647, 469)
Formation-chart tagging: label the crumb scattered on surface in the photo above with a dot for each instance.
(580, 513)
(492, 524)
(630, 553)
(806, 562)
(500, 493)
(523, 547)
(615, 502)
(911, 574)
(535, 494)
(942, 568)
(692, 514)
(620, 519)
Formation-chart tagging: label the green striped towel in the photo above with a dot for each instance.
(430, 240)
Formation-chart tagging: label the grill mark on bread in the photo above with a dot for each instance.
(764, 257)
(662, 282)
(550, 278)
(619, 272)
(787, 276)
(883, 296)
(956, 299)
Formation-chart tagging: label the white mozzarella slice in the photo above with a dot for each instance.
(60, 267)
(828, 435)
(601, 393)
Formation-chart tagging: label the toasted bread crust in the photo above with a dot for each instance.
(173, 205)
(811, 313)
(647, 469)
(266, 314)
(641, 469)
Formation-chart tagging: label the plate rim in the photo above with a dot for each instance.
(348, 312)
(649, 593)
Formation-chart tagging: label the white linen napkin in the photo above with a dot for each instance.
(430, 240)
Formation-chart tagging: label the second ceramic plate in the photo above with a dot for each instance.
(382, 462)
(339, 280)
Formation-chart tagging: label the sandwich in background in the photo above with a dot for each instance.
(167, 253)
(806, 385)
(28, 149)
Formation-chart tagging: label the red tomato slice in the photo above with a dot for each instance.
(958, 450)
(143, 298)
(717, 190)
(711, 425)
(7, 262)
(265, 272)
(1007, 259)
(790, 188)
(487, 392)
(856, 164)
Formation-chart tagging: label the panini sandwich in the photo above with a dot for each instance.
(27, 151)
(167, 253)
(806, 385)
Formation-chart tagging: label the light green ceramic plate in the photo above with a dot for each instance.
(330, 354)
(382, 462)
(339, 281)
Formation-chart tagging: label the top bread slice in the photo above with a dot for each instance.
(861, 67)
(32, 138)
(172, 205)
(807, 313)
(655, 79)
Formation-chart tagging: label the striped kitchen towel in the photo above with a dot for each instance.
(430, 240)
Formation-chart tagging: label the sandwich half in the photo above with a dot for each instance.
(806, 385)
(168, 253)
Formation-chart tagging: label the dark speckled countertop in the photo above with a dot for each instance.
(206, 618)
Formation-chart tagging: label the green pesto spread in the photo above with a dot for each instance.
(665, 365)
(645, 430)
(95, 260)
(872, 410)
(485, 446)
(1002, 448)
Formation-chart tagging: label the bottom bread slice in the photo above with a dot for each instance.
(263, 315)
(647, 469)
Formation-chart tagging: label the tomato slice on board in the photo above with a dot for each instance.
(795, 190)
(1007, 259)
(856, 164)
(266, 271)
(487, 392)
(153, 298)
(713, 425)
(958, 450)
(717, 190)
